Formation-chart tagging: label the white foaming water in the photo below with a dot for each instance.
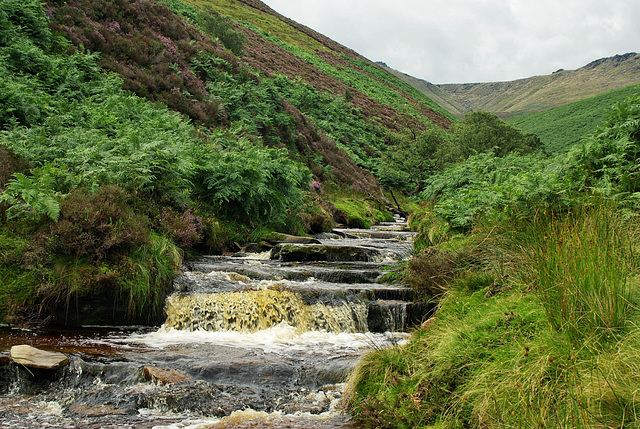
(262, 256)
(280, 338)
(255, 419)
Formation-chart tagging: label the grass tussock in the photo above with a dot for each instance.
(545, 335)
(581, 266)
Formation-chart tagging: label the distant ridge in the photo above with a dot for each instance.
(533, 94)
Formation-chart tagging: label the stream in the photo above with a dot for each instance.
(250, 340)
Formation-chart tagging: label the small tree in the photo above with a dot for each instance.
(415, 158)
(483, 131)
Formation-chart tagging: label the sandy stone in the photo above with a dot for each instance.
(35, 358)
(165, 376)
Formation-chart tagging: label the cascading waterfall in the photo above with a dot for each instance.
(250, 340)
(253, 311)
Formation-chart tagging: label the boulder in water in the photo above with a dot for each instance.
(35, 358)
(165, 376)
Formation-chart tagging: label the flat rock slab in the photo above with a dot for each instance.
(36, 358)
(290, 252)
(277, 237)
(96, 410)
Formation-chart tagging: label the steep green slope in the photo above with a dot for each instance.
(542, 92)
(272, 46)
(433, 91)
(534, 265)
(561, 127)
(134, 131)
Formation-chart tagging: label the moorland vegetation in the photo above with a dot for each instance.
(136, 133)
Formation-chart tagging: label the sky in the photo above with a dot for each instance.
(468, 41)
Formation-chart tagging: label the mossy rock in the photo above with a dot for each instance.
(277, 237)
(361, 213)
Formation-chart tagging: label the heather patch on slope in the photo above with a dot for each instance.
(347, 97)
(163, 58)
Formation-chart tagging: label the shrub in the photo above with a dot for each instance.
(184, 228)
(253, 183)
(431, 270)
(98, 225)
(32, 197)
(221, 27)
(483, 131)
(485, 184)
(10, 163)
(24, 16)
(609, 161)
(430, 229)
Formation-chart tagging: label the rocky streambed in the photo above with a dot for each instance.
(251, 340)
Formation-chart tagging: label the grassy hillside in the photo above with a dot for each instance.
(561, 127)
(542, 92)
(523, 96)
(345, 99)
(433, 91)
(134, 132)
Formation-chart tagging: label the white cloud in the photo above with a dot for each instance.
(474, 40)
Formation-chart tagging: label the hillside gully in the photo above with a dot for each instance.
(250, 340)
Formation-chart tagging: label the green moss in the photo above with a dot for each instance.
(360, 213)
(273, 237)
(17, 290)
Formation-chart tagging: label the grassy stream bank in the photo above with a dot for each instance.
(537, 326)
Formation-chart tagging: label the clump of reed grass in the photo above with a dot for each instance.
(147, 274)
(583, 266)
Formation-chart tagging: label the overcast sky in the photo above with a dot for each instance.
(465, 41)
